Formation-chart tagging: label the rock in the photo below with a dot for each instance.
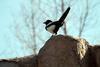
(96, 55)
(5, 63)
(28, 61)
(61, 51)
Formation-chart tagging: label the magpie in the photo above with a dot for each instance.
(53, 27)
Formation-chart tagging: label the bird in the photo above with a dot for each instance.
(53, 26)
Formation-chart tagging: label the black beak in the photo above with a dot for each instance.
(43, 22)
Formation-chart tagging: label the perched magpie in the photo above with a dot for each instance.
(53, 27)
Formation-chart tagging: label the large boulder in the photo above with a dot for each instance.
(64, 51)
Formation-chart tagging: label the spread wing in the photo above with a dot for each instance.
(62, 18)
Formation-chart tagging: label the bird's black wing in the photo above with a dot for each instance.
(62, 18)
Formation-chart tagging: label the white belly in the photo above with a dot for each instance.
(51, 29)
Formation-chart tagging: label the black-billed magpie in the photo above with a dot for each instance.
(53, 27)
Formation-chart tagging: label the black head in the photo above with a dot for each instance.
(47, 22)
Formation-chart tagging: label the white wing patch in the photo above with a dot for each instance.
(51, 29)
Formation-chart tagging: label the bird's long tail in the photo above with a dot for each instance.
(62, 18)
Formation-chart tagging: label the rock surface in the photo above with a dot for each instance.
(61, 51)
(96, 54)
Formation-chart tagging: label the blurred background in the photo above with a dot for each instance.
(23, 32)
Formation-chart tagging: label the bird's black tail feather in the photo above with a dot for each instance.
(62, 18)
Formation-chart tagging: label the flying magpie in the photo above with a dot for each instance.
(53, 27)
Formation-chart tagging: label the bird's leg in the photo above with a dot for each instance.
(54, 34)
